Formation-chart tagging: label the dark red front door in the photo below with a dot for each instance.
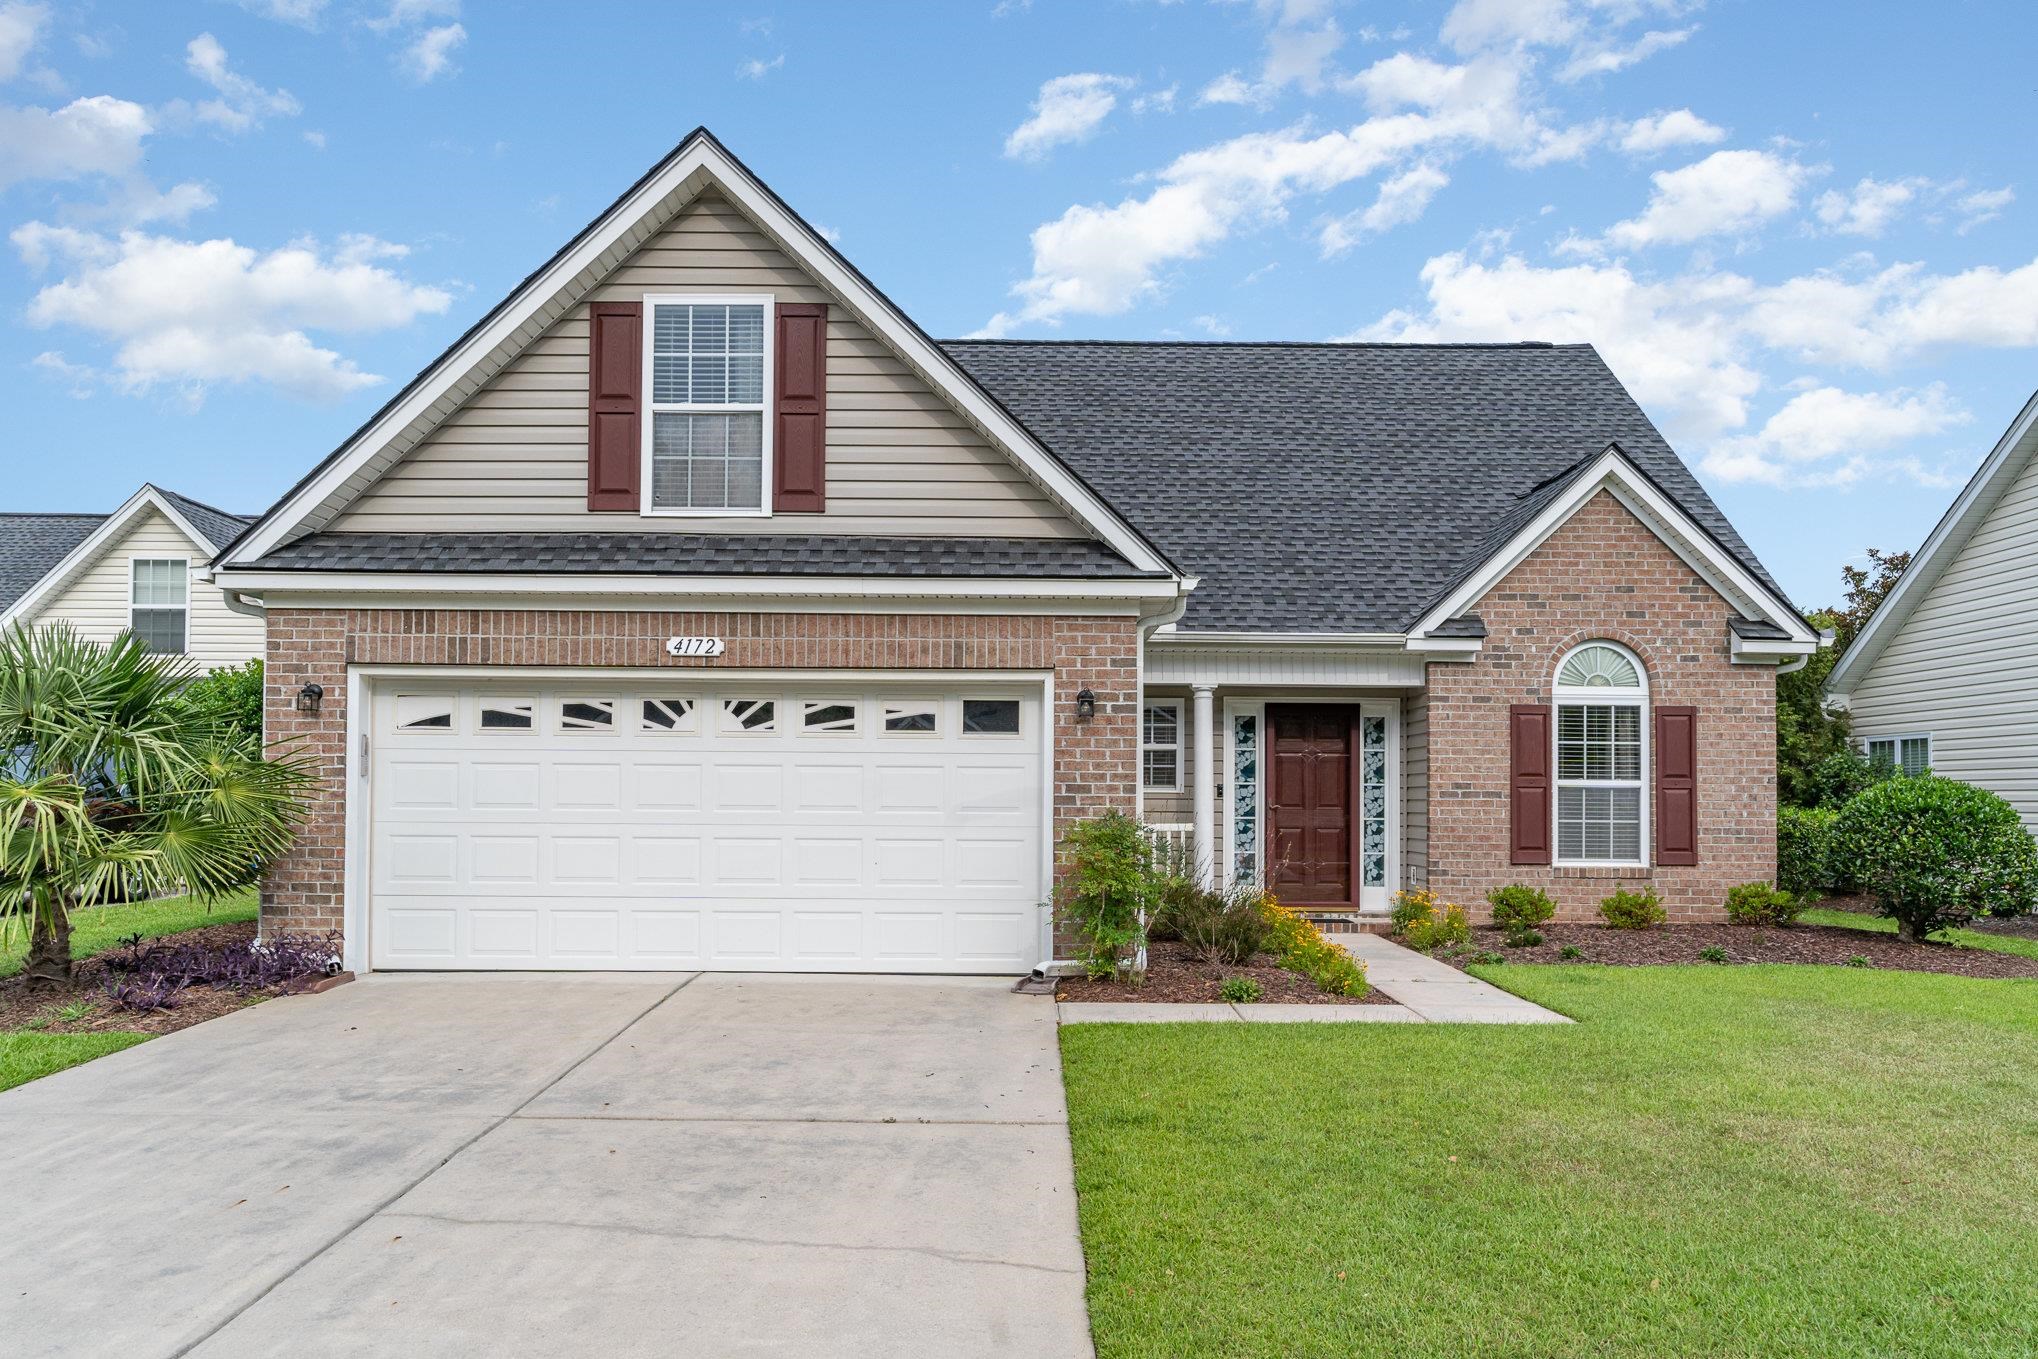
(1311, 849)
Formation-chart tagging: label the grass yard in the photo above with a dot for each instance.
(26, 1056)
(98, 928)
(1755, 1161)
(1853, 920)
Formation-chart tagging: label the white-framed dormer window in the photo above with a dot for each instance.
(707, 379)
(1909, 755)
(1602, 701)
(1160, 746)
(159, 602)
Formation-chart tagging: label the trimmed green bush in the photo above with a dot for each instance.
(1239, 990)
(1757, 903)
(1108, 889)
(1519, 910)
(1935, 853)
(1805, 860)
(1626, 910)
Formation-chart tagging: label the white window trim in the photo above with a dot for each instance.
(183, 567)
(1562, 695)
(1868, 743)
(651, 408)
(1178, 747)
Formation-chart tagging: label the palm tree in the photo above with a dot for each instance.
(110, 783)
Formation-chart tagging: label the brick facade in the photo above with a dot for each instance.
(1602, 575)
(1095, 762)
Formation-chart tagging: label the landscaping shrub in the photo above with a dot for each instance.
(1108, 889)
(1936, 852)
(1805, 860)
(1570, 953)
(1626, 910)
(154, 975)
(1757, 903)
(229, 697)
(1713, 953)
(1424, 923)
(1220, 928)
(1843, 776)
(1301, 947)
(1519, 910)
(1239, 990)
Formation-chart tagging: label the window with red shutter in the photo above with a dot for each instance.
(1676, 785)
(1528, 809)
(800, 436)
(614, 404)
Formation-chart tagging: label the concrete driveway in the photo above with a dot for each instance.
(712, 1164)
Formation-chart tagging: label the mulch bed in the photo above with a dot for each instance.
(1173, 977)
(20, 1006)
(1827, 944)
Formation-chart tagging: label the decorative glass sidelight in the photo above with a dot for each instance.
(1373, 800)
(1245, 798)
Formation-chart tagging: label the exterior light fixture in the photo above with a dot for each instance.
(309, 697)
(1086, 705)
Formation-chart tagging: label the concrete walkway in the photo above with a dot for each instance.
(1424, 991)
(549, 1165)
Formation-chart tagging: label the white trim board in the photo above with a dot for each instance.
(696, 162)
(1613, 473)
(99, 541)
(1969, 509)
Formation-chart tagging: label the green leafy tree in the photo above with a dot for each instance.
(1108, 890)
(1808, 738)
(230, 697)
(110, 783)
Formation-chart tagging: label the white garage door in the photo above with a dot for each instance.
(664, 823)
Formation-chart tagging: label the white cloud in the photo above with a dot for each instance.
(407, 13)
(1879, 319)
(1069, 108)
(1607, 58)
(204, 312)
(1157, 101)
(1215, 326)
(1829, 437)
(1662, 131)
(1983, 206)
(1727, 192)
(242, 103)
(430, 55)
(757, 68)
(1229, 88)
(1402, 199)
(21, 28)
(1476, 25)
(1867, 209)
(1302, 39)
(99, 135)
(302, 13)
(315, 140)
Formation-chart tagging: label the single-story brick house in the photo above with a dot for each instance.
(696, 609)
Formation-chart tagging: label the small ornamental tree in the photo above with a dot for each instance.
(1108, 890)
(1935, 853)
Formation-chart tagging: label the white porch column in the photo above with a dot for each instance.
(1203, 786)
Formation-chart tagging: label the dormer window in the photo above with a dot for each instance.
(707, 444)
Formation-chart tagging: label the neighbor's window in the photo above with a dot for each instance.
(158, 602)
(1908, 755)
(706, 368)
(1160, 747)
(1601, 698)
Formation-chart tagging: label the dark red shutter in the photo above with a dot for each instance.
(1528, 778)
(1676, 785)
(615, 380)
(800, 434)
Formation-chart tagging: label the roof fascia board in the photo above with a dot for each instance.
(97, 542)
(1972, 506)
(1613, 473)
(412, 584)
(701, 153)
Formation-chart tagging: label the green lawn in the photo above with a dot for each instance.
(1752, 1161)
(98, 928)
(1850, 920)
(25, 1056)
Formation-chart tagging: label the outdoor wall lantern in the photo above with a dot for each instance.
(308, 699)
(1086, 705)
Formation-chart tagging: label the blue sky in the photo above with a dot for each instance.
(1798, 231)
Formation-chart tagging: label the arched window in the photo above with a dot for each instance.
(1602, 697)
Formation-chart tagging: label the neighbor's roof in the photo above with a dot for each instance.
(218, 526)
(31, 545)
(1329, 487)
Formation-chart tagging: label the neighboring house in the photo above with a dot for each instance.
(135, 569)
(696, 609)
(1945, 675)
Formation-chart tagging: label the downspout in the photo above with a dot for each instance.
(238, 602)
(1068, 967)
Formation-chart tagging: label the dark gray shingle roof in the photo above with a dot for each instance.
(218, 526)
(32, 544)
(1328, 487)
(698, 554)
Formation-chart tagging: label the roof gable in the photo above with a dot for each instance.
(1998, 472)
(206, 528)
(698, 163)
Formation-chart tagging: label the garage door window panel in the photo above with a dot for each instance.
(990, 717)
(507, 714)
(749, 716)
(828, 717)
(424, 712)
(587, 715)
(670, 716)
(913, 717)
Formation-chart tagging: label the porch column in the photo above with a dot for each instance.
(1203, 786)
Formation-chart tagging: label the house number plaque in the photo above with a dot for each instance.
(694, 646)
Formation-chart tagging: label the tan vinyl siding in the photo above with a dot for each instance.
(1415, 790)
(96, 601)
(901, 460)
(1963, 668)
